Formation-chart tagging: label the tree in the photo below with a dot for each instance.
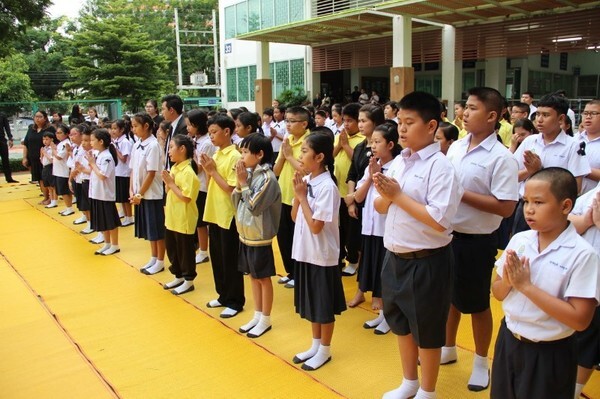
(115, 58)
(15, 16)
(15, 85)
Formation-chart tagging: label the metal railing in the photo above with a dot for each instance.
(326, 7)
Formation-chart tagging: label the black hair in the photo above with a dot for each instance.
(337, 107)
(282, 108)
(173, 101)
(186, 141)
(145, 119)
(323, 130)
(153, 102)
(103, 136)
(392, 104)
(522, 107)
(198, 119)
(450, 131)
(51, 135)
(569, 130)
(351, 110)
(322, 143)
(443, 109)
(125, 126)
(491, 99)
(321, 113)
(300, 111)
(268, 111)
(223, 121)
(563, 184)
(325, 109)
(211, 113)
(244, 109)
(527, 93)
(235, 112)
(83, 128)
(257, 142)
(374, 113)
(424, 104)
(389, 131)
(526, 124)
(462, 103)
(557, 103)
(65, 129)
(164, 125)
(249, 119)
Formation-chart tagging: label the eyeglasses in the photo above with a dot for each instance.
(591, 114)
(290, 121)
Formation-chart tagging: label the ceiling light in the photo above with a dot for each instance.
(567, 39)
(516, 28)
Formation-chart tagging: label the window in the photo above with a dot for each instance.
(284, 75)
(230, 22)
(267, 8)
(232, 84)
(241, 18)
(254, 21)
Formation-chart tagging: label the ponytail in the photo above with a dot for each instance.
(188, 143)
(330, 166)
(103, 136)
(322, 143)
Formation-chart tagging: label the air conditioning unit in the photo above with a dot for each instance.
(198, 79)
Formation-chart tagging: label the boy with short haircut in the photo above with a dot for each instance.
(552, 147)
(420, 194)
(589, 142)
(547, 280)
(518, 111)
(286, 165)
(488, 174)
(527, 98)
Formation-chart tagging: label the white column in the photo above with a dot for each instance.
(402, 41)
(448, 78)
(495, 73)
(262, 60)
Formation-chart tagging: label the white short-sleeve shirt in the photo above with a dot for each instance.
(321, 249)
(429, 178)
(103, 190)
(47, 156)
(79, 157)
(123, 144)
(373, 222)
(59, 166)
(488, 169)
(145, 157)
(562, 152)
(281, 131)
(71, 160)
(203, 146)
(582, 205)
(568, 267)
(592, 153)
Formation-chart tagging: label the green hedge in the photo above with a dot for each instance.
(16, 165)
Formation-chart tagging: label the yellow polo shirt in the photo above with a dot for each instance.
(219, 207)
(287, 172)
(342, 162)
(179, 216)
(505, 132)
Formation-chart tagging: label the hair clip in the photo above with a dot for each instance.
(581, 150)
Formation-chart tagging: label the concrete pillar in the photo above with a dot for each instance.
(402, 74)
(448, 46)
(495, 73)
(263, 85)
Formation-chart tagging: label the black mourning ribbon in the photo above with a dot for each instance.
(310, 191)
(581, 150)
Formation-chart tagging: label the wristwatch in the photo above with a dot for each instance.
(139, 196)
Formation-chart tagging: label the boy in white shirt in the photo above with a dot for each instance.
(547, 280)
(420, 194)
(488, 174)
(589, 142)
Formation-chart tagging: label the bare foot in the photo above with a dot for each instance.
(359, 298)
(44, 202)
(376, 303)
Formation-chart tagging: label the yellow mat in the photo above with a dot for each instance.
(116, 332)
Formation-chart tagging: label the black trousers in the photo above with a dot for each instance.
(285, 239)
(350, 235)
(180, 250)
(5, 159)
(229, 281)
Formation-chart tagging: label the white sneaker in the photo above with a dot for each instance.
(80, 220)
(289, 284)
(87, 230)
(201, 258)
(350, 269)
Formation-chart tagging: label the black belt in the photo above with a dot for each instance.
(467, 236)
(423, 253)
(528, 341)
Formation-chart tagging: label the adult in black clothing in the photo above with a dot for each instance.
(76, 116)
(32, 144)
(355, 94)
(152, 110)
(4, 146)
(172, 111)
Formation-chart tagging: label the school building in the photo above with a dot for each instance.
(442, 46)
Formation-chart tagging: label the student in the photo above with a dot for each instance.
(161, 135)
(82, 172)
(320, 118)
(119, 131)
(219, 213)
(245, 124)
(146, 191)
(527, 98)
(77, 153)
(257, 199)
(522, 128)
(60, 170)
(547, 280)
(336, 115)
(459, 108)
(103, 211)
(181, 214)
(46, 158)
(343, 151)
(446, 134)
(552, 147)
(590, 138)
(488, 174)
(197, 129)
(518, 111)
(285, 167)
(420, 194)
(319, 294)
(278, 131)
(567, 126)
(369, 117)
(390, 111)
(384, 148)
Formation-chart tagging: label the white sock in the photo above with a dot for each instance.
(578, 390)
(174, 283)
(156, 267)
(68, 209)
(407, 389)
(382, 328)
(89, 225)
(185, 286)
(248, 326)
(421, 394)
(262, 327)
(303, 356)
(111, 250)
(323, 356)
(150, 262)
(480, 377)
(105, 248)
(449, 355)
(350, 268)
(375, 322)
